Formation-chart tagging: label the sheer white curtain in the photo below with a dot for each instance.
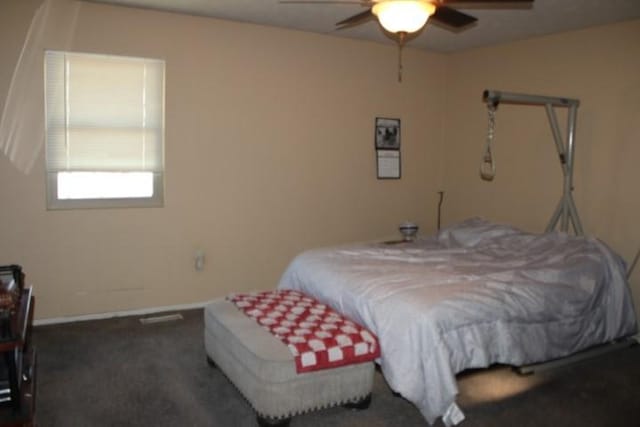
(22, 121)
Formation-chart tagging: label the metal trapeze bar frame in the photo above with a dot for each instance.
(587, 354)
(566, 212)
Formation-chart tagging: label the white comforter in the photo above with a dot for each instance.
(476, 294)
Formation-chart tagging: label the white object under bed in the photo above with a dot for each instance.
(474, 295)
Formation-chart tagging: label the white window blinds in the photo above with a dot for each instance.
(104, 113)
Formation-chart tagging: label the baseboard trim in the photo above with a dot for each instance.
(101, 316)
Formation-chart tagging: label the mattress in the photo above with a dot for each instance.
(475, 294)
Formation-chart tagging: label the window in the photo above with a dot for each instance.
(105, 130)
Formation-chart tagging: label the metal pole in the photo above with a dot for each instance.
(577, 225)
(557, 137)
(496, 97)
(571, 138)
(555, 217)
(564, 219)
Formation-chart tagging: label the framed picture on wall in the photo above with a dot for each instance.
(387, 134)
(387, 140)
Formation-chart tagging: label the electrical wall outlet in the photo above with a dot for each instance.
(199, 260)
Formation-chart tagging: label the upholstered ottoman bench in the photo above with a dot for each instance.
(264, 371)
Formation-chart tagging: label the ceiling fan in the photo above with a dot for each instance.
(409, 16)
(403, 17)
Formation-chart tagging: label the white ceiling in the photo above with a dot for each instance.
(494, 25)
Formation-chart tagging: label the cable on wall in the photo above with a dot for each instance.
(441, 194)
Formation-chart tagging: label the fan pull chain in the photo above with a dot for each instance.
(400, 64)
(401, 40)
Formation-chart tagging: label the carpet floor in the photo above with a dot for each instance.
(119, 372)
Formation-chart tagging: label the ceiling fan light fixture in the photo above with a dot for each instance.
(403, 16)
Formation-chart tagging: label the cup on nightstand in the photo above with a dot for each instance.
(409, 230)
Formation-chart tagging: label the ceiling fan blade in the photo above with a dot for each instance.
(360, 2)
(488, 2)
(357, 19)
(452, 18)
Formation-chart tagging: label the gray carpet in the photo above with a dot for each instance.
(119, 372)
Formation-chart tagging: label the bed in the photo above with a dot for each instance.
(475, 294)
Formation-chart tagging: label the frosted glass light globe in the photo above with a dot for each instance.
(408, 16)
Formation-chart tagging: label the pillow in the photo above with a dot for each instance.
(474, 232)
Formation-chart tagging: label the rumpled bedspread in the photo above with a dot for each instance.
(476, 294)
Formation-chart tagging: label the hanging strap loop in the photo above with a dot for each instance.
(488, 165)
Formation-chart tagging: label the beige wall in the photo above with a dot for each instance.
(269, 150)
(599, 66)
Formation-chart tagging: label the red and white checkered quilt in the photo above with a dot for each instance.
(318, 337)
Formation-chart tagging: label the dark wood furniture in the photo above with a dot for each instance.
(18, 364)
